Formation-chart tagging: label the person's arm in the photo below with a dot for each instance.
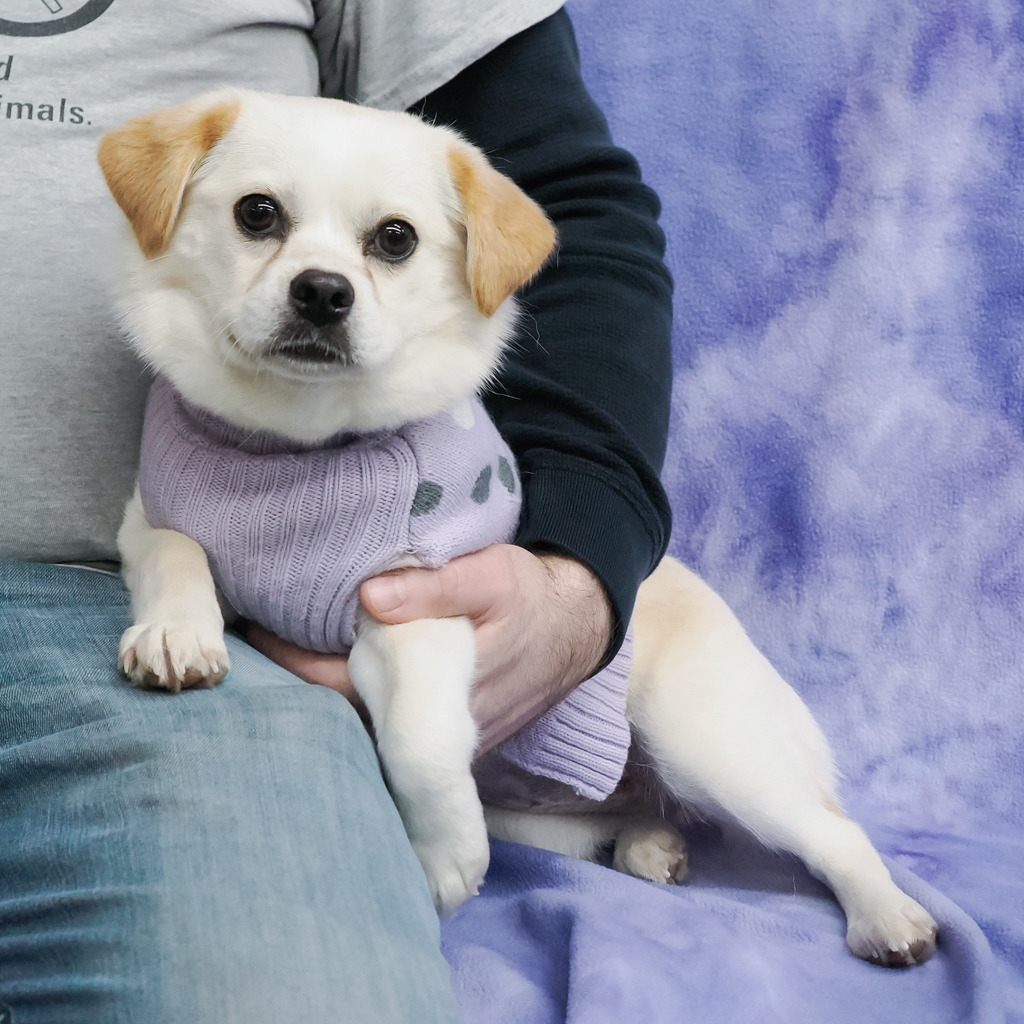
(582, 398)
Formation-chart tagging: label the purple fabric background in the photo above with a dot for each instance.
(843, 185)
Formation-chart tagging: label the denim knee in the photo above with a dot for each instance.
(223, 855)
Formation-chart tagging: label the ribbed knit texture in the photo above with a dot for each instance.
(582, 741)
(291, 531)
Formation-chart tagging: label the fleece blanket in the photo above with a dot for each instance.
(843, 190)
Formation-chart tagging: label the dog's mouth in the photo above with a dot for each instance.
(310, 350)
(311, 353)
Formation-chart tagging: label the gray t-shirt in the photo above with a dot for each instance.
(71, 394)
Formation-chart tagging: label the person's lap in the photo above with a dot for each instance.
(219, 855)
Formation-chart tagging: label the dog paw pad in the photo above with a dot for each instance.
(656, 852)
(452, 879)
(904, 937)
(174, 657)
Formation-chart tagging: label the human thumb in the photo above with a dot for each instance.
(382, 596)
(469, 585)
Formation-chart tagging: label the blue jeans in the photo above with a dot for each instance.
(226, 855)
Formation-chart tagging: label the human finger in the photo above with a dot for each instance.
(471, 585)
(330, 670)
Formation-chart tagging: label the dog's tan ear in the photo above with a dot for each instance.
(509, 235)
(149, 160)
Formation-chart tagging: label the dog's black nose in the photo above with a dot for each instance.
(321, 297)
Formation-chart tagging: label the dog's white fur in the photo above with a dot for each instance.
(204, 304)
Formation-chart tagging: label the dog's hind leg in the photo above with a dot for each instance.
(415, 680)
(645, 847)
(884, 925)
(575, 835)
(728, 736)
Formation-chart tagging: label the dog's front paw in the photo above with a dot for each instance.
(453, 874)
(902, 936)
(174, 656)
(452, 848)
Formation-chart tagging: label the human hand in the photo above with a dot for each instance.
(542, 624)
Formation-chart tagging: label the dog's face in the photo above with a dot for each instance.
(308, 266)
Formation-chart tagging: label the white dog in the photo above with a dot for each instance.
(308, 273)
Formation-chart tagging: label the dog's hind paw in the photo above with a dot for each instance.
(174, 656)
(655, 851)
(901, 937)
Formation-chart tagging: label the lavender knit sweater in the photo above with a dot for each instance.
(291, 532)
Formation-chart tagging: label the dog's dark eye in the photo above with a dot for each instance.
(394, 240)
(259, 216)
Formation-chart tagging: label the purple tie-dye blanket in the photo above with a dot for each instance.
(843, 185)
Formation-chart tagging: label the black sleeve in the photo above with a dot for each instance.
(583, 397)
